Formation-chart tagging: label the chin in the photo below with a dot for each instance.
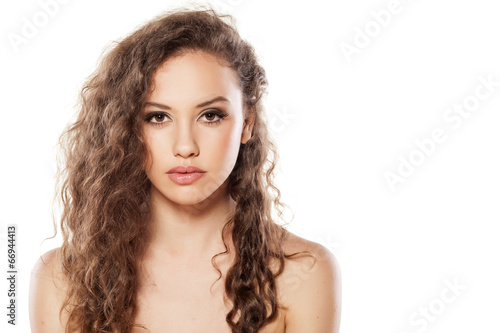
(187, 196)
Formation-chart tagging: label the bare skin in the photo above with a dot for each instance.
(177, 298)
(176, 292)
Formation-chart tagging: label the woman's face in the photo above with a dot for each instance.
(193, 117)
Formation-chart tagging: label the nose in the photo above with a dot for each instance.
(185, 141)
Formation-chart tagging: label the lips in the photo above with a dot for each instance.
(185, 169)
(185, 175)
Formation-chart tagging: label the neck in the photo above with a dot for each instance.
(190, 231)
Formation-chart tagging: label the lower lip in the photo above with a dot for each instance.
(185, 178)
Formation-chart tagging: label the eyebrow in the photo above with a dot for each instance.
(213, 100)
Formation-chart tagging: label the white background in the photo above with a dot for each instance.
(340, 126)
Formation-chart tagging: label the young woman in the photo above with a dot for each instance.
(167, 198)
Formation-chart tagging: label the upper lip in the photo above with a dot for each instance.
(185, 169)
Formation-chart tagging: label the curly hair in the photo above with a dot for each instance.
(104, 189)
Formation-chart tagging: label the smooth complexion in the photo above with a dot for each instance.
(193, 117)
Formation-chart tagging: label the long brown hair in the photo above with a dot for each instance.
(104, 189)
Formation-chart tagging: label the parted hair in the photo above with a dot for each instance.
(104, 191)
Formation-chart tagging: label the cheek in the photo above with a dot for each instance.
(226, 145)
(153, 146)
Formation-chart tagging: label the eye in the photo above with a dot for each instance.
(214, 113)
(158, 117)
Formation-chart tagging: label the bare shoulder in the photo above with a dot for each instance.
(311, 288)
(46, 295)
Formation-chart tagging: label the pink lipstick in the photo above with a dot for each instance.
(184, 175)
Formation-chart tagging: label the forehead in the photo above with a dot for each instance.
(194, 76)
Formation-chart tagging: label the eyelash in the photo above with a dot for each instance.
(151, 115)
